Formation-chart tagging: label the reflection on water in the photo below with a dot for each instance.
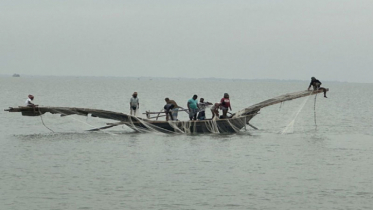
(323, 167)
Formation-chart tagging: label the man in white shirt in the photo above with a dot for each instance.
(201, 108)
(134, 104)
(29, 102)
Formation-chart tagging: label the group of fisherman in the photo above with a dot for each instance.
(196, 110)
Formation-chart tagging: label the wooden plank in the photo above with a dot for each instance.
(276, 100)
(72, 110)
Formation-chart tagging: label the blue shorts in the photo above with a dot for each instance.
(193, 112)
(201, 115)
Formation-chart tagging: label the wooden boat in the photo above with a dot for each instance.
(234, 123)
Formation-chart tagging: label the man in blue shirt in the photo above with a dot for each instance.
(193, 107)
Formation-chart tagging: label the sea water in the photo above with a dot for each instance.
(324, 166)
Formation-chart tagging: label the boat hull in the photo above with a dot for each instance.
(230, 125)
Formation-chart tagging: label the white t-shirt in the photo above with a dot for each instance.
(28, 102)
(134, 101)
(202, 106)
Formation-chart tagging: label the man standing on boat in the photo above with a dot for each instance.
(171, 108)
(225, 103)
(193, 107)
(134, 104)
(315, 83)
(215, 110)
(201, 108)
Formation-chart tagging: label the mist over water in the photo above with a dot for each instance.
(327, 166)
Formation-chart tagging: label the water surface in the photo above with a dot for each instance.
(322, 166)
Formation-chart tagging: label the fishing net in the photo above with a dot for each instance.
(187, 127)
(142, 126)
(69, 113)
(212, 126)
(216, 126)
(290, 127)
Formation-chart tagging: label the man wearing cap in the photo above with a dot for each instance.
(134, 104)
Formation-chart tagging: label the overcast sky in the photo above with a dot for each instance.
(251, 39)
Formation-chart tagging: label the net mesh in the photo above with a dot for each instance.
(215, 125)
(187, 127)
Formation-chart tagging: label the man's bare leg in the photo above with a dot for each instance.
(324, 90)
(225, 113)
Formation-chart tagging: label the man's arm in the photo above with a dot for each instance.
(30, 103)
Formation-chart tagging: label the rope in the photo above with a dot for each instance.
(280, 105)
(43, 121)
(290, 127)
(314, 109)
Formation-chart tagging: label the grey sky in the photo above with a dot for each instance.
(252, 39)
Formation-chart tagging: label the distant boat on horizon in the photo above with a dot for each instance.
(16, 75)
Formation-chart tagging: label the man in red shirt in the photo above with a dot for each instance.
(225, 104)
